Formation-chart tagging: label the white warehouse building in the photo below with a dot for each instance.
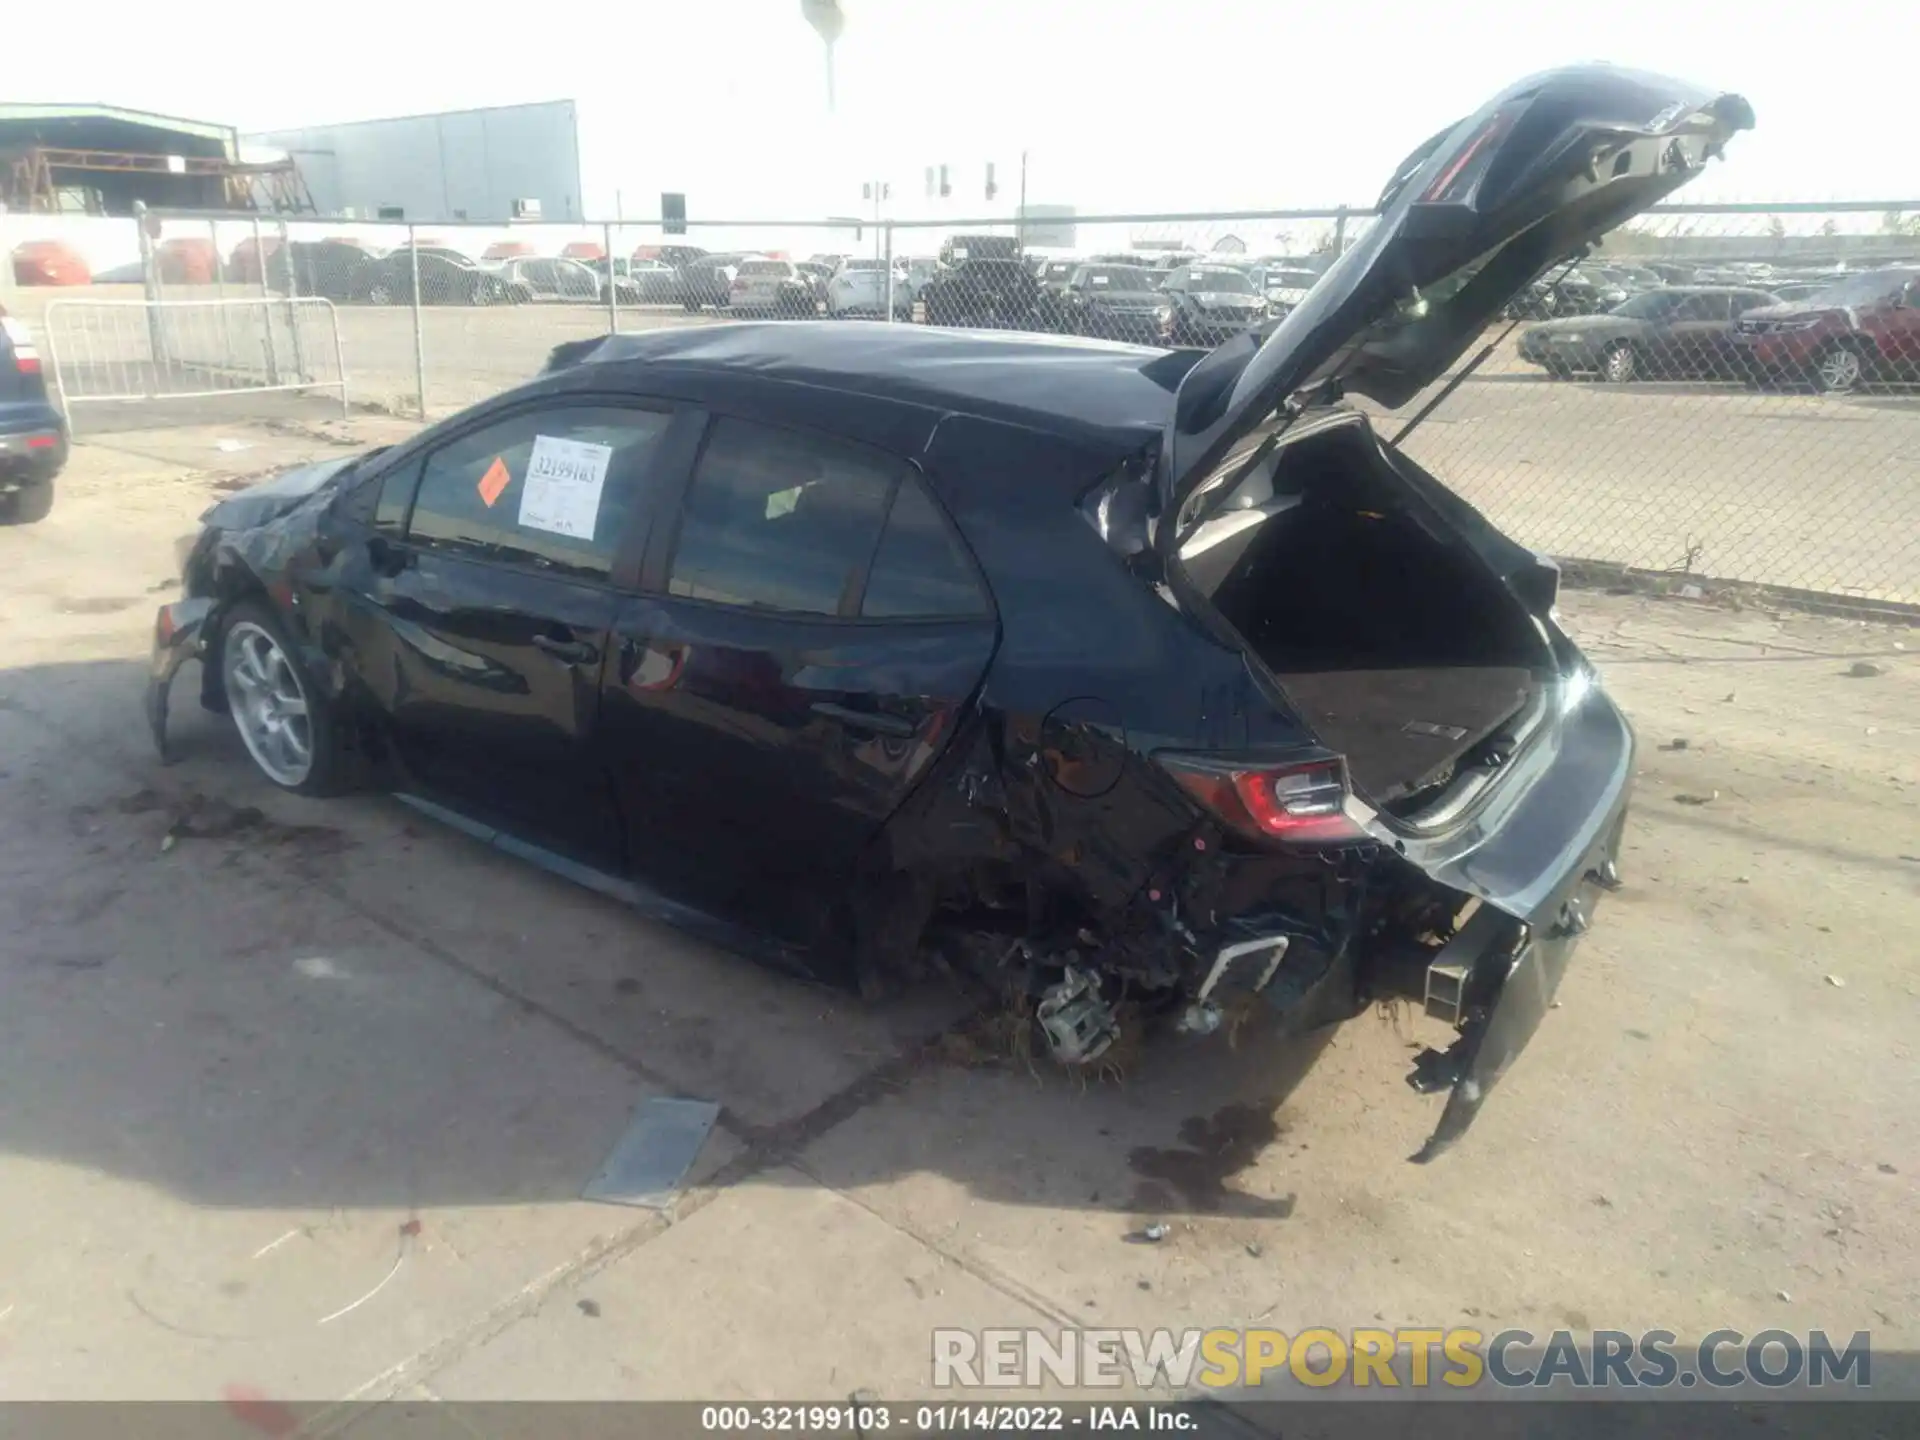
(498, 164)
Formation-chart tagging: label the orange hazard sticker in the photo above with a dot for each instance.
(497, 478)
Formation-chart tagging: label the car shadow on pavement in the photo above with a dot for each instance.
(247, 999)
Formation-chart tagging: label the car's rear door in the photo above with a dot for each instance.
(1696, 332)
(487, 611)
(811, 631)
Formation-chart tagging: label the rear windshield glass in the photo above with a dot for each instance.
(764, 267)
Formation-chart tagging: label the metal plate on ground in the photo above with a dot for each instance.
(654, 1154)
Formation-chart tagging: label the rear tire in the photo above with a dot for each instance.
(29, 505)
(1621, 365)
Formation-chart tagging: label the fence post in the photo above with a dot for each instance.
(1339, 232)
(150, 285)
(886, 260)
(613, 282)
(293, 301)
(220, 293)
(419, 324)
(266, 311)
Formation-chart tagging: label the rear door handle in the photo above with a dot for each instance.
(865, 719)
(574, 652)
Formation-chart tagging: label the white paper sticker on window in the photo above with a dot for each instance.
(564, 480)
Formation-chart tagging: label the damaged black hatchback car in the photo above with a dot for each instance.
(1138, 680)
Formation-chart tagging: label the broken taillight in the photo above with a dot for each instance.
(1301, 801)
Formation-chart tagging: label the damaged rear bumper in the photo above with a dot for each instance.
(1538, 861)
(1537, 856)
(179, 635)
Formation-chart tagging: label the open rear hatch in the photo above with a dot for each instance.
(1400, 625)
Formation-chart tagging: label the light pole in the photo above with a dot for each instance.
(827, 20)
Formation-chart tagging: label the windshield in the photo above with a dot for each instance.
(1221, 282)
(764, 267)
(1291, 279)
(1115, 277)
(1864, 289)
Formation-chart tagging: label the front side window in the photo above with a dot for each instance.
(549, 489)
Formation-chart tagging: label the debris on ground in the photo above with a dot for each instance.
(1865, 669)
(230, 447)
(1148, 1235)
(1691, 592)
(1783, 1295)
(1886, 1169)
(1836, 982)
(1255, 1249)
(1683, 798)
(409, 1232)
(588, 1308)
(1679, 742)
(653, 1156)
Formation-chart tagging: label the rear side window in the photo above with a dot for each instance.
(549, 489)
(920, 571)
(780, 519)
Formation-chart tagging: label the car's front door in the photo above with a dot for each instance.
(804, 650)
(487, 609)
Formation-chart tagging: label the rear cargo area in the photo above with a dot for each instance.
(1392, 640)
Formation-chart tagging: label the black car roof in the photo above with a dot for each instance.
(1058, 383)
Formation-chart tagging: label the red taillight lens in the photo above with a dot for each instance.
(1302, 802)
(42, 442)
(1456, 181)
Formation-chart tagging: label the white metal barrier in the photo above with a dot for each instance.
(145, 350)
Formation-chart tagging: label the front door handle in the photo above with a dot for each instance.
(866, 719)
(574, 652)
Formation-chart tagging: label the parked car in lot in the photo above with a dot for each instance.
(1113, 302)
(859, 287)
(983, 280)
(1865, 328)
(446, 278)
(1574, 292)
(48, 262)
(550, 281)
(337, 270)
(1131, 682)
(772, 287)
(1206, 304)
(671, 255)
(818, 273)
(1679, 332)
(708, 281)
(647, 282)
(1282, 286)
(33, 433)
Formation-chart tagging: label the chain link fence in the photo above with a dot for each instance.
(1724, 392)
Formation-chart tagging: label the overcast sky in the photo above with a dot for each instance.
(1202, 103)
